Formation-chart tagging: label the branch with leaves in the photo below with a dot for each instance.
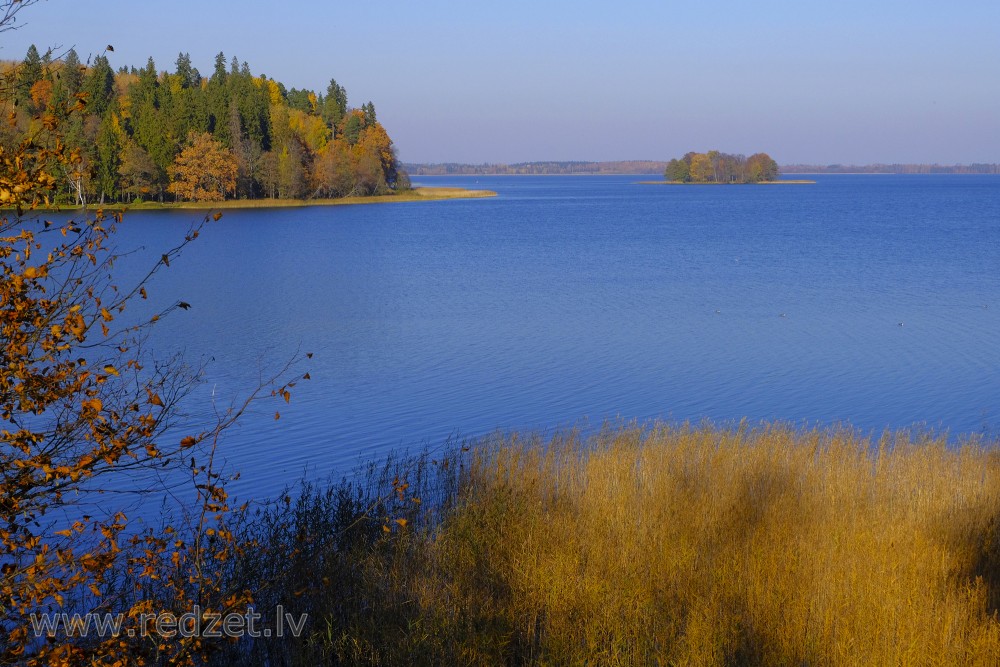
(88, 409)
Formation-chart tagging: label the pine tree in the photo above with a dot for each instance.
(29, 73)
(71, 74)
(99, 85)
(334, 104)
(184, 71)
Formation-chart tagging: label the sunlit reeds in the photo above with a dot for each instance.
(669, 545)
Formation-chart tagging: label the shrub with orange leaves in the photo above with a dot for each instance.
(86, 409)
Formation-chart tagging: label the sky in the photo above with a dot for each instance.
(850, 82)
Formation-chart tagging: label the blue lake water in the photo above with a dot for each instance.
(868, 300)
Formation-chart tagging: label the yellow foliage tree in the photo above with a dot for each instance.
(204, 171)
(701, 168)
(311, 129)
(375, 141)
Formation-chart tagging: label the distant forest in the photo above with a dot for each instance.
(656, 167)
(977, 168)
(145, 134)
(538, 168)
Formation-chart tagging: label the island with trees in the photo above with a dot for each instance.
(717, 167)
(141, 136)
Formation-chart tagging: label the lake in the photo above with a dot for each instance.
(567, 301)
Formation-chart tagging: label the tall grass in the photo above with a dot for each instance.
(667, 545)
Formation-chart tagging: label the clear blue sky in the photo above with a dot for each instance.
(847, 81)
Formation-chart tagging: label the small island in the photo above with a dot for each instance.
(719, 168)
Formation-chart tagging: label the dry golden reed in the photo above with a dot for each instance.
(680, 545)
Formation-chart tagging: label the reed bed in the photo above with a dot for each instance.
(659, 545)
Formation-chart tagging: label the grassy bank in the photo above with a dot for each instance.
(416, 194)
(668, 545)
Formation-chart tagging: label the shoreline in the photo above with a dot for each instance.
(784, 182)
(418, 194)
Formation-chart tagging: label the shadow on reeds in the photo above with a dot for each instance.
(968, 525)
(986, 566)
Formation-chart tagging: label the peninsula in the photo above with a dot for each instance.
(142, 136)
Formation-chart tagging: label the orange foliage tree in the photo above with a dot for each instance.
(204, 171)
(333, 175)
(41, 91)
(86, 409)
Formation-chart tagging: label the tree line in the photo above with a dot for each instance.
(142, 134)
(895, 168)
(716, 167)
(538, 168)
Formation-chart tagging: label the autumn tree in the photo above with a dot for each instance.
(292, 180)
(73, 415)
(761, 167)
(368, 176)
(204, 171)
(40, 94)
(333, 174)
(139, 174)
(268, 173)
(374, 142)
(677, 170)
(701, 168)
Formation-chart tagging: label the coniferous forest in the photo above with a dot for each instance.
(140, 134)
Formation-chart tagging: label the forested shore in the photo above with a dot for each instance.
(142, 134)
